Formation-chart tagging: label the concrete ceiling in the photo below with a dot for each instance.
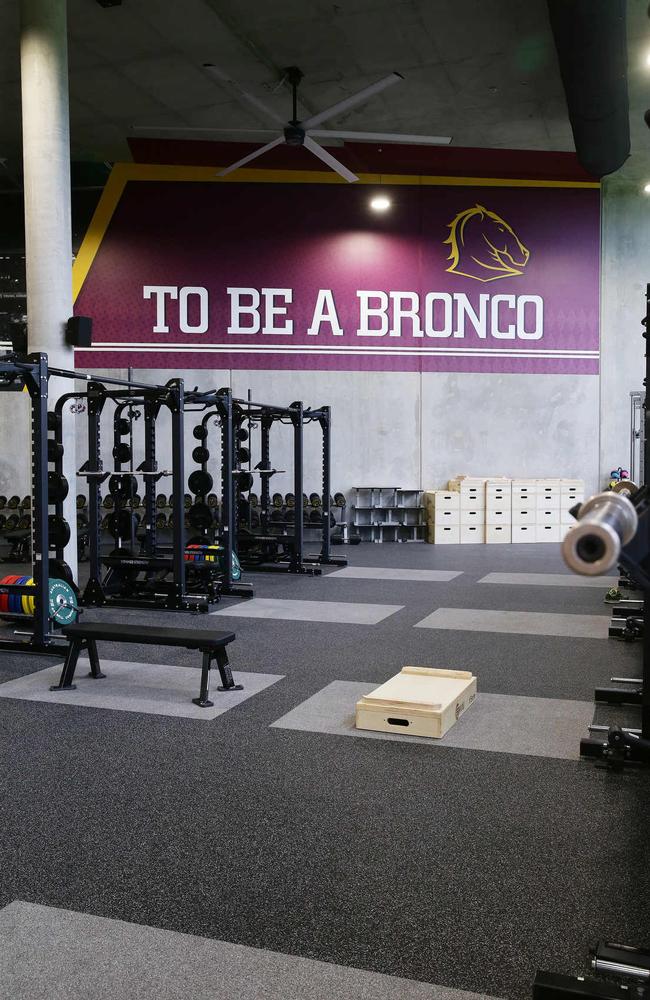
(482, 71)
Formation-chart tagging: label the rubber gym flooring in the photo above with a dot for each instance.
(254, 854)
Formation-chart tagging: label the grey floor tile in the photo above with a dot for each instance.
(152, 688)
(388, 573)
(551, 580)
(338, 612)
(518, 622)
(536, 727)
(54, 954)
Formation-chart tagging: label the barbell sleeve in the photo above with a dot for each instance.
(605, 523)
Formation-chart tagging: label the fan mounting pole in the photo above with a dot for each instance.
(294, 76)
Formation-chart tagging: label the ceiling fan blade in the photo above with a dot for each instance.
(351, 102)
(222, 77)
(421, 140)
(204, 130)
(251, 156)
(330, 160)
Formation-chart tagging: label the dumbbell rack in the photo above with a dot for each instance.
(388, 514)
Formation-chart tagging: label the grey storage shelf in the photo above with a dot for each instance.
(388, 514)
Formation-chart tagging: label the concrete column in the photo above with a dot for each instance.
(48, 238)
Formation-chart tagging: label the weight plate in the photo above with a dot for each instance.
(57, 487)
(200, 432)
(58, 569)
(241, 434)
(244, 455)
(54, 450)
(16, 599)
(245, 481)
(123, 485)
(62, 602)
(122, 452)
(122, 426)
(200, 482)
(200, 516)
(52, 420)
(59, 531)
(27, 602)
(5, 598)
(200, 454)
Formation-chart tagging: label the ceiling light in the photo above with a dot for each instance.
(647, 189)
(647, 59)
(380, 203)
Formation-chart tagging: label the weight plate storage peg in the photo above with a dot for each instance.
(57, 487)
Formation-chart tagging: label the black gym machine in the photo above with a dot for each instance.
(125, 577)
(265, 547)
(51, 594)
(614, 529)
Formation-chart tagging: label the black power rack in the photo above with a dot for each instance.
(31, 374)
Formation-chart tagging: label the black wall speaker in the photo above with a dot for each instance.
(79, 331)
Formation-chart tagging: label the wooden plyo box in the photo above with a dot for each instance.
(419, 701)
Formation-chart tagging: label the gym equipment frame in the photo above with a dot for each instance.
(120, 586)
(31, 373)
(263, 542)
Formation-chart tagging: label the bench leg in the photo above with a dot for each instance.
(203, 700)
(67, 674)
(227, 682)
(95, 669)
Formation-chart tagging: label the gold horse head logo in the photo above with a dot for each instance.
(484, 246)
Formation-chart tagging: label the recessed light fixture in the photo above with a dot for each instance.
(380, 203)
(647, 188)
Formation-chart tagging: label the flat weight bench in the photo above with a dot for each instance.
(211, 644)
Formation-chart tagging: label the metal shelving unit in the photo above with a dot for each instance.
(388, 514)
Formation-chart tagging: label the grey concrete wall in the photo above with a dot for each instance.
(625, 274)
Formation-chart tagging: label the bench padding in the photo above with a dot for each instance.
(149, 635)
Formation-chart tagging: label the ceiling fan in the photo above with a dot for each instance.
(302, 133)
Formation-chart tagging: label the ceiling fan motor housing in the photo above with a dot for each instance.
(294, 134)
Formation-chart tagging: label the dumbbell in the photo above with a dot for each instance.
(277, 500)
(161, 520)
(25, 522)
(213, 500)
(161, 500)
(253, 499)
(109, 501)
(14, 502)
(12, 522)
(314, 500)
(3, 502)
(81, 501)
(26, 503)
(290, 500)
(339, 500)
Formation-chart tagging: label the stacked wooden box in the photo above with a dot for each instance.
(498, 511)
